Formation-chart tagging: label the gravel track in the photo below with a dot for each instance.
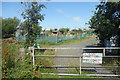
(91, 42)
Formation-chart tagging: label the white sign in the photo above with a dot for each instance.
(94, 58)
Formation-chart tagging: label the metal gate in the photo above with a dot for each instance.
(80, 59)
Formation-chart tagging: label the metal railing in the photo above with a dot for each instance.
(80, 59)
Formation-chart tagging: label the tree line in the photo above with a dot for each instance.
(105, 22)
(11, 25)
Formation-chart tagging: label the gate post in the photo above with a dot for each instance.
(104, 51)
(80, 61)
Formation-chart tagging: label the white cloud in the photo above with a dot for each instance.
(59, 10)
(68, 16)
(77, 19)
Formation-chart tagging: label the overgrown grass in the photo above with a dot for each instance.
(16, 67)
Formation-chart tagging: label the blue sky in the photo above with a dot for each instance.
(58, 14)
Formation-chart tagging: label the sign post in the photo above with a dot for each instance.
(80, 60)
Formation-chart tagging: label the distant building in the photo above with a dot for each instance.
(17, 33)
(56, 33)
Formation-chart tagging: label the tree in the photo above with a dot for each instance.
(75, 31)
(67, 29)
(106, 21)
(9, 27)
(0, 28)
(79, 29)
(32, 18)
(64, 30)
(55, 29)
(51, 30)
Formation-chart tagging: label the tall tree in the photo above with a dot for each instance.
(23, 27)
(106, 21)
(0, 28)
(9, 27)
(32, 16)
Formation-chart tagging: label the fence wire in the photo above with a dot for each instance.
(57, 39)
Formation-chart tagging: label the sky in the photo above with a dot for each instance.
(71, 15)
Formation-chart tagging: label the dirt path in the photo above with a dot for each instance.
(75, 61)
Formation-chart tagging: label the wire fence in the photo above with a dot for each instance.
(58, 39)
